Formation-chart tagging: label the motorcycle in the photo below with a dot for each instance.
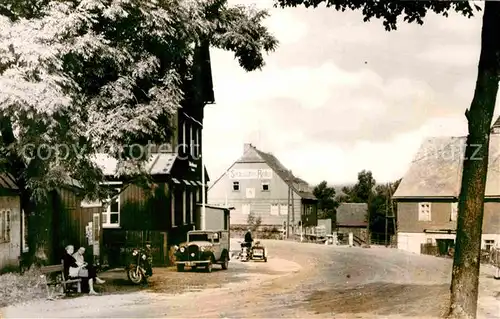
(245, 253)
(140, 267)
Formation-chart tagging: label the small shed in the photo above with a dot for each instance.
(11, 224)
(352, 218)
(217, 217)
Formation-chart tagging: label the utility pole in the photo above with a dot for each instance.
(203, 194)
(293, 212)
(386, 211)
(368, 234)
(288, 214)
(393, 216)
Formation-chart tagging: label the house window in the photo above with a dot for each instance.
(198, 141)
(488, 244)
(184, 137)
(111, 216)
(245, 209)
(5, 226)
(24, 231)
(454, 211)
(309, 210)
(424, 212)
(236, 186)
(275, 209)
(265, 186)
(191, 141)
(283, 209)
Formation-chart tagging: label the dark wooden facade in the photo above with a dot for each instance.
(11, 223)
(163, 215)
(59, 221)
(309, 214)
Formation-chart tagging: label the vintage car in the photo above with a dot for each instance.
(204, 248)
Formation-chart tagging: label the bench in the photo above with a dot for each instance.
(57, 271)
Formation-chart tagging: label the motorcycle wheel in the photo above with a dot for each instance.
(134, 276)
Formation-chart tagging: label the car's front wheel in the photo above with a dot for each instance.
(225, 263)
(180, 267)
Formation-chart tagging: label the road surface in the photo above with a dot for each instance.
(299, 281)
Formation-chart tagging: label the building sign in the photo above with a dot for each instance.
(250, 174)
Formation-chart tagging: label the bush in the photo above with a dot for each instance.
(17, 288)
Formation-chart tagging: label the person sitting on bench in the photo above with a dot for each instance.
(75, 269)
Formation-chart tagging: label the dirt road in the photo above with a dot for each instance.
(299, 281)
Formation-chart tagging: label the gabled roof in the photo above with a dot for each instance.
(300, 186)
(254, 155)
(7, 181)
(158, 164)
(436, 170)
(352, 214)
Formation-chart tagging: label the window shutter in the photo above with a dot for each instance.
(2, 226)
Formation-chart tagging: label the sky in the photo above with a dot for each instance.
(340, 95)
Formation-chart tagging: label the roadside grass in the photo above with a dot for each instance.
(16, 288)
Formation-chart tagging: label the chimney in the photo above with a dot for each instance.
(246, 147)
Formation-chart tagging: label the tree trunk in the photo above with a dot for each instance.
(465, 275)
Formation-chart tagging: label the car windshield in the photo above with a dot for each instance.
(198, 237)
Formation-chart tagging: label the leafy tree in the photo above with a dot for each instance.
(362, 191)
(100, 75)
(465, 274)
(326, 201)
(254, 222)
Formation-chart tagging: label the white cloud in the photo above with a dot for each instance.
(452, 54)
(285, 28)
(327, 116)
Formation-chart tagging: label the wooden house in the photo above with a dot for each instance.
(352, 218)
(258, 183)
(427, 197)
(40, 237)
(11, 224)
(164, 214)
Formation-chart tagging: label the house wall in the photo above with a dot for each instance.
(359, 232)
(144, 217)
(76, 225)
(327, 223)
(411, 231)
(10, 251)
(260, 205)
(140, 210)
